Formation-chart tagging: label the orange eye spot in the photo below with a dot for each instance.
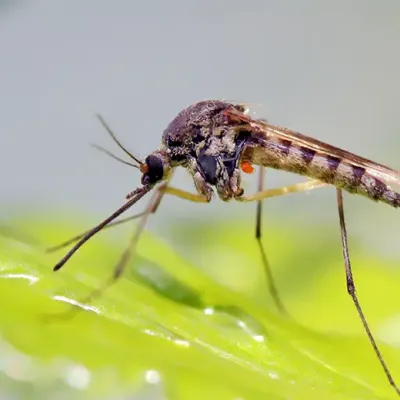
(144, 168)
(246, 167)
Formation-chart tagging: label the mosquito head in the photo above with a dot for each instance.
(155, 168)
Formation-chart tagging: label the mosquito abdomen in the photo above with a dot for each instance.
(356, 179)
(284, 155)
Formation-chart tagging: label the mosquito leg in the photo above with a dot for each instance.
(183, 194)
(298, 187)
(129, 251)
(267, 267)
(351, 289)
(154, 202)
(111, 224)
(81, 235)
(163, 188)
(259, 197)
(120, 266)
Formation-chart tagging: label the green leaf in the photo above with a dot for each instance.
(195, 322)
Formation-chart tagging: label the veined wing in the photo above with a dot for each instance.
(264, 128)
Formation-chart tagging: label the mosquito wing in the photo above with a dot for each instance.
(267, 130)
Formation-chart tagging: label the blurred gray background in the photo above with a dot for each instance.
(326, 68)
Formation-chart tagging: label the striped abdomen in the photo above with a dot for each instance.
(285, 155)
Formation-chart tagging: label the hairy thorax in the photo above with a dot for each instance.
(202, 139)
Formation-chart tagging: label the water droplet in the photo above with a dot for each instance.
(152, 377)
(78, 377)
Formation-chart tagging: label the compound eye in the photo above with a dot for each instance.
(155, 170)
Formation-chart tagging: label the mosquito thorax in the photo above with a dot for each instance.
(155, 168)
(195, 127)
(205, 140)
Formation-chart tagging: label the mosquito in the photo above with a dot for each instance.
(216, 141)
